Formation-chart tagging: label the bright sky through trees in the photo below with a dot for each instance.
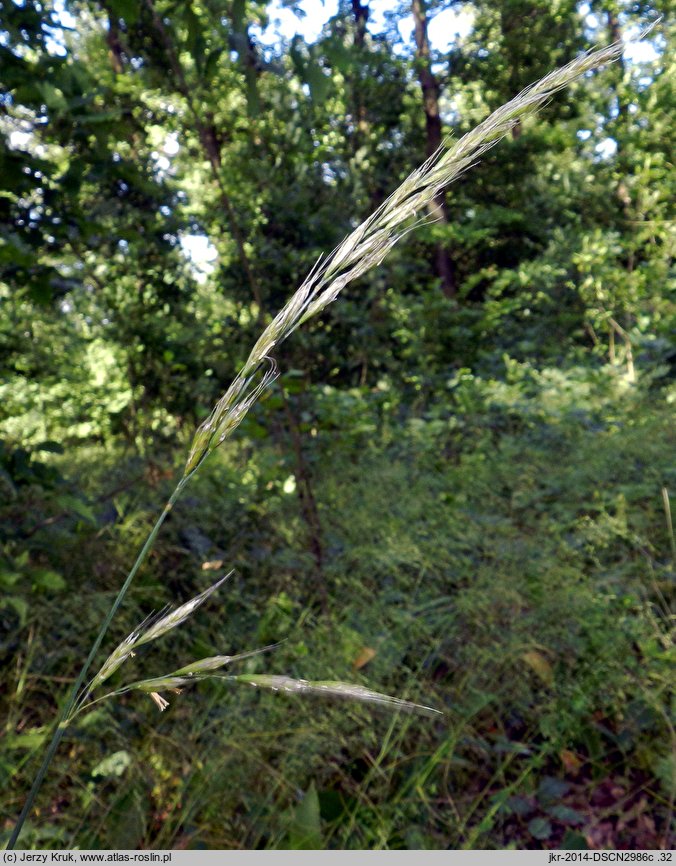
(444, 28)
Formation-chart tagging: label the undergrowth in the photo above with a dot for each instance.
(513, 569)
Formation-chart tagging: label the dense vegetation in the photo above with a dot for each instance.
(459, 490)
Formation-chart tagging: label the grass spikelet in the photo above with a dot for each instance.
(204, 669)
(334, 689)
(180, 614)
(205, 666)
(139, 636)
(200, 669)
(119, 655)
(156, 684)
(326, 688)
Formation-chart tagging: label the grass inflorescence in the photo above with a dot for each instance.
(362, 250)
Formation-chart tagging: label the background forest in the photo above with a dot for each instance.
(457, 492)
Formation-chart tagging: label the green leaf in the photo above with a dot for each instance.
(566, 815)
(112, 766)
(78, 505)
(19, 605)
(94, 719)
(573, 841)
(518, 806)
(31, 740)
(339, 55)
(211, 64)
(305, 831)
(8, 579)
(318, 82)
(52, 96)
(48, 580)
(551, 789)
(127, 9)
(50, 446)
(540, 828)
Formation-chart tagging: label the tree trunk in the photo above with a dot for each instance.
(444, 265)
(361, 17)
(208, 136)
(308, 504)
(114, 46)
(615, 32)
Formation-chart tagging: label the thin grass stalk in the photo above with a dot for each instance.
(67, 711)
(362, 250)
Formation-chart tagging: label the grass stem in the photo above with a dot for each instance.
(67, 712)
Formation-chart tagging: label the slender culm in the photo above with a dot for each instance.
(362, 250)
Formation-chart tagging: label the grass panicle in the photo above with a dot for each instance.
(362, 250)
(371, 241)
